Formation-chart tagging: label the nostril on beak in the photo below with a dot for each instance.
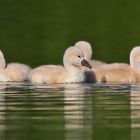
(86, 64)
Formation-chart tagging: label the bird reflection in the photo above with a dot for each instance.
(135, 111)
(77, 112)
(2, 109)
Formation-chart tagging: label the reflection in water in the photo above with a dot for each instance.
(66, 112)
(2, 110)
(101, 112)
(78, 113)
(135, 112)
(31, 115)
(111, 112)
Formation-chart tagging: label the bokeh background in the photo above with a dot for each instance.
(37, 32)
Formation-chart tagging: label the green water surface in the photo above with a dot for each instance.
(69, 112)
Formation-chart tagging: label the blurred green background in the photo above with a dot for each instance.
(37, 32)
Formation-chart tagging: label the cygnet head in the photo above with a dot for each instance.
(135, 58)
(86, 48)
(74, 56)
(2, 60)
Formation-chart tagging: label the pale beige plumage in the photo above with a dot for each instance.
(13, 71)
(87, 50)
(70, 73)
(119, 72)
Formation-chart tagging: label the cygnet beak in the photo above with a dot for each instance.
(86, 64)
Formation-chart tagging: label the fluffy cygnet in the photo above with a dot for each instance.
(119, 72)
(87, 50)
(13, 71)
(69, 73)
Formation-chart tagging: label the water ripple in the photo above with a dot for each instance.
(70, 111)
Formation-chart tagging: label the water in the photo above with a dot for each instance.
(38, 32)
(69, 112)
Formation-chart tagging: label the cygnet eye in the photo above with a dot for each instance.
(79, 56)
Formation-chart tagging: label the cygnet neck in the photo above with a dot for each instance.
(2, 61)
(135, 67)
(135, 60)
(70, 67)
(74, 74)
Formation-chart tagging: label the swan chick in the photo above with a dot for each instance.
(73, 59)
(87, 50)
(121, 72)
(13, 71)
